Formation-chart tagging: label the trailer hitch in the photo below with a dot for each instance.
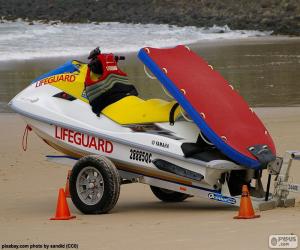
(281, 168)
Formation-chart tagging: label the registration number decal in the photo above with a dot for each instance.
(138, 155)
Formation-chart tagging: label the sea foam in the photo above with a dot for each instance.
(20, 40)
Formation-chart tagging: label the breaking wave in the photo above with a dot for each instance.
(20, 40)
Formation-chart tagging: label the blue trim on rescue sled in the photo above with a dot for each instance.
(208, 132)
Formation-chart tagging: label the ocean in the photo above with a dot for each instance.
(264, 69)
(19, 40)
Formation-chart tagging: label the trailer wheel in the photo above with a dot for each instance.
(94, 185)
(168, 195)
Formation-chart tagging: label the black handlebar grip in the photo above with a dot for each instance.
(118, 58)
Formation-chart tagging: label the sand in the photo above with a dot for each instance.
(28, 194)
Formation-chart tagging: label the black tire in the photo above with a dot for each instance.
(110, 183)
(168, 195)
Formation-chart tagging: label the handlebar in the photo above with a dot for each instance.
(119, 58)
(97, 51)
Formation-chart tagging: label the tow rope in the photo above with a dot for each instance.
(25, 137)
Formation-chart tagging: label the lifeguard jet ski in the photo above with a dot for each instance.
(207, 142)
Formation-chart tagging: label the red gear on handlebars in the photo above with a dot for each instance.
(109, 66)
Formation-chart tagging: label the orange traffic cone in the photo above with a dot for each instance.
(62, 209)
(246, 210)
(67, 188)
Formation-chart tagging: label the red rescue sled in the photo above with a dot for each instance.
(220, 112)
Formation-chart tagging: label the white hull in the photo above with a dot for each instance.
(72, 128)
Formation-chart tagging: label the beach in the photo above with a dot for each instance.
(264, 70)
(29, 187)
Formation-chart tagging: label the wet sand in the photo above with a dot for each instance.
(28, 194)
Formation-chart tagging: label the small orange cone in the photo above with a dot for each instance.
(246, 210)
(67, 188)
(62, 209)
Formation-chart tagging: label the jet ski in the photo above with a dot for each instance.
(207, 142)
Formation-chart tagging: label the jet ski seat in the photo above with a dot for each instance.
(134, 110)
